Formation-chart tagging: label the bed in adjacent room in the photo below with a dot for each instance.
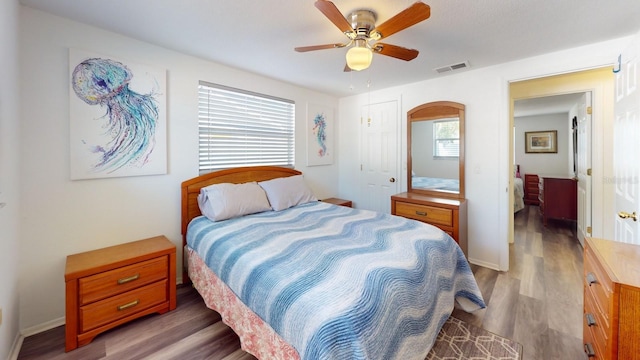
(298, 278)
(518, 194)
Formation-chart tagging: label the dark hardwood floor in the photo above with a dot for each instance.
(538, 303)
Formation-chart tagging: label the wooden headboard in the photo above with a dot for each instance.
(191, 188)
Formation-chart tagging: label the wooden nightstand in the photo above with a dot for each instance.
(337, 201)
(111, 286)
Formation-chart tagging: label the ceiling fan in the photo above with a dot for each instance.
(359, 26)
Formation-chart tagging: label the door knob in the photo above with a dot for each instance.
(626, 215)
(392, 180)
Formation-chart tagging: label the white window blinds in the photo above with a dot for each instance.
(446, 138)
(241, 128)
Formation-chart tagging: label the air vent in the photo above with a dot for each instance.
(444, 69)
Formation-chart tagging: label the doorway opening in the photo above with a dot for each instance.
(600, 83)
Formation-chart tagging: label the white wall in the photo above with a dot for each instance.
(543, 164)
(62, 217)
(9, 175)
(485, 92)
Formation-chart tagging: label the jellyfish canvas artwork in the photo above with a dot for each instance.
(319, 135)
(117, 117)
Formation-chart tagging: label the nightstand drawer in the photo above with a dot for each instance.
(425, 213)
(117, 307)
(109, 283)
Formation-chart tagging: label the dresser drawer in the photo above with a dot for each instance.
(117, 307)
(103, 285)
(598, 285)
(532, 196)
(425, 213)
(589, 341)
(599, 332)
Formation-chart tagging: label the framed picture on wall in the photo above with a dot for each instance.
(117, 117)
(319, 135)
(541, 142)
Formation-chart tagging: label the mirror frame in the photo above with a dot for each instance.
(433, 111)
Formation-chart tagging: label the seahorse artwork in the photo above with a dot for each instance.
(319, 130)
(131, 117)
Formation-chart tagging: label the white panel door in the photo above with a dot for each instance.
(379, 155)
(626, 152)
(583, 164)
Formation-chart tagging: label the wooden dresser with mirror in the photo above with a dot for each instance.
(435, 169)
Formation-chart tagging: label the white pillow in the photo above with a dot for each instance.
(224, 201)
(286, 192)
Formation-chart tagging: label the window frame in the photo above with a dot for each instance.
(437, 140)
(248, 128)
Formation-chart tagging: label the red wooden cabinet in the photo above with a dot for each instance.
(531, 189)
(558, 198)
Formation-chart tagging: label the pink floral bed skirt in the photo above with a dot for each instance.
(256, 336)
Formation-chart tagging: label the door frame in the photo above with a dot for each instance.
(600, 83)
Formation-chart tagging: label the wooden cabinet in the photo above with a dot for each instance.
(111, 286)
(611, 322)
(450, 215)
(531, 189)
(558, 198)
(337, 201)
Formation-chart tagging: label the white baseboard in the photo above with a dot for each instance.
(43, 327)
(17, 344)
(484, 264)
(15, 348)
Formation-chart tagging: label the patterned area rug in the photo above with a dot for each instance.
(459, 340)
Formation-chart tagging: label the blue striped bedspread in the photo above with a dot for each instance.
(341, 283)
(419, 182)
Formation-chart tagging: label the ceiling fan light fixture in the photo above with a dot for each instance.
(360, 28)
(359, 58)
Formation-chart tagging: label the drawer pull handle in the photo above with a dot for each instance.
(591, 279)
(591, 320)
(588, 349)
(128, 279)
(421, 213)
(128, 305)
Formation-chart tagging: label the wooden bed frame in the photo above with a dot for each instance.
(191, 189)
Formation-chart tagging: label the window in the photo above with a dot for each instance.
(446, 138)
(241, 128)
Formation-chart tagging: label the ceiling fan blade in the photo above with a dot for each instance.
(319, 47)
(395, 51)
(410, 16)
(332, 13)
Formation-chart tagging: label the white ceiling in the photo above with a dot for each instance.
(259, 36)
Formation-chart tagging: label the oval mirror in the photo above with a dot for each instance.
(435, 146)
